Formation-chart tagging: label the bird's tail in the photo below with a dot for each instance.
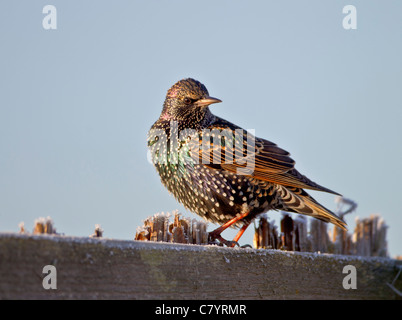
(299, 201)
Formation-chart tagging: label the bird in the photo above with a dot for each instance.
(222, 172)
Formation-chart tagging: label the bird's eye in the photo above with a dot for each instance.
(187, 101)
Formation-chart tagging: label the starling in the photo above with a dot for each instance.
(222, 172)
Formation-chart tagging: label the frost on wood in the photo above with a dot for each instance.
(266, 234)
(341, 239)
(44, 226)
(180, 230)
(89, 268)
(319, 236)
(292, 237)
(98, 233)
(301, 241)
(41, 226)
(21, 225)
(297, 233)
(368, 239)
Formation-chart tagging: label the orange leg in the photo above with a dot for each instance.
(216, 234)
(241, 231)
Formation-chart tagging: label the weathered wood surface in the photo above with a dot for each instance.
(97, 268)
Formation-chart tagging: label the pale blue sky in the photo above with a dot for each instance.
(76, 102)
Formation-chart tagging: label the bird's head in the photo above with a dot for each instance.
(187, 99)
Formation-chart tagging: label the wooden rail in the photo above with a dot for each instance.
(97, 268)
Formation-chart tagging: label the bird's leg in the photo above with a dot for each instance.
(216, 234)
(241, 231)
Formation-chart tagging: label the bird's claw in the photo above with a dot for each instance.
(215, 239)
(232, 244)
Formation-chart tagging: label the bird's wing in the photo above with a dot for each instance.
(267, 163)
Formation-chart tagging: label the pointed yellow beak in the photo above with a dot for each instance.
(207, 101)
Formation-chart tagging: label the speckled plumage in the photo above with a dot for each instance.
(214, 189)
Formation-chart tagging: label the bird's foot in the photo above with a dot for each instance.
(216, 239)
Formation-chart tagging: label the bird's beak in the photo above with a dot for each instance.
(207, 101)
